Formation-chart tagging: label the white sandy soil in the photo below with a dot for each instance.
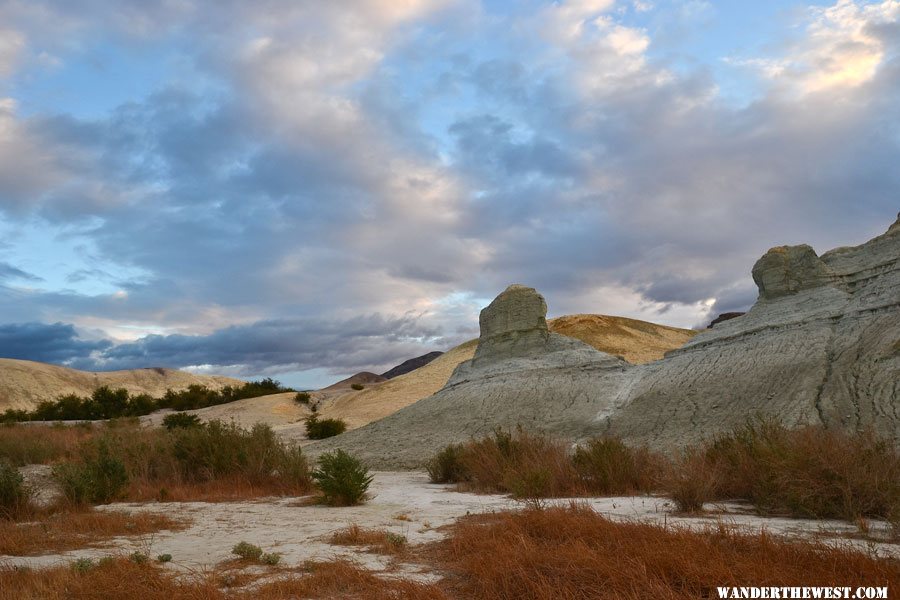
(300, 532)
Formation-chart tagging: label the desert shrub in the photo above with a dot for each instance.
(247, 551)
(219, 449)
(14, 494)
(357, 386)
(25, 445)
(163, 464)
(164, 558)
(807, 472)
(690, 482)
(302, 398)
(97, 479)
(139, 558)
(270, 558)
(319, 429)
(180, 419)
(608, 466)
(446, 466)
(342, 478)
(527, 465)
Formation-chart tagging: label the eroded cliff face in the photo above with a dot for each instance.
(821, 345)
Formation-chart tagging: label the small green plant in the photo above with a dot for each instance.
(319, 429)
(270, 558)
(14, 494)
(447, 465)
(342, 478)
(83, 565)
(302, 398)
(357, 386)
(164, 558)
(396, 541)
(139, 558)
(247, 551)
(180, 420)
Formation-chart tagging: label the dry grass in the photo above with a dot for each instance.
(380, 541)
(563, 552)
(42, 444)
(575, 553)
(342, 579)
(117, 579)
(70, 530)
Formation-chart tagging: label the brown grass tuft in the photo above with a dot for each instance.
(71, 530)
(380, 541)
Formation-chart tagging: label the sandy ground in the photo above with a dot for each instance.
(299, 532)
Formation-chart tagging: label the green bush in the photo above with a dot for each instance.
(164, 558)
(180, 419)
(247, 551)
(447, 465)
(139, 558)
(302, 398)
(357, 386)
(319, 429)
(14, 494)
(270, 558)
(97, 479)
(342, 478)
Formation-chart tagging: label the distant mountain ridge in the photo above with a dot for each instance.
(25, 383)
(411, 365)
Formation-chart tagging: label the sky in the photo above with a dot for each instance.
(306, 189)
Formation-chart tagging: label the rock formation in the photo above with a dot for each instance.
(820, 346)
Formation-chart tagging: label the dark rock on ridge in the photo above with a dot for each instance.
(411, 365)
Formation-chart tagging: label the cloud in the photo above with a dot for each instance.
(332, 160)
(276, 346)
(53, 343)
(8, 271)
(11, 45)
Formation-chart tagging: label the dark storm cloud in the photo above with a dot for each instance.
(53, 343)
(290, 344)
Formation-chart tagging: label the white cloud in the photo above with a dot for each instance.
(12, 45)
(838, 50)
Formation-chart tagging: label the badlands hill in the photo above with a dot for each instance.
(24, 383)
(820, 346)
(636, 341)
